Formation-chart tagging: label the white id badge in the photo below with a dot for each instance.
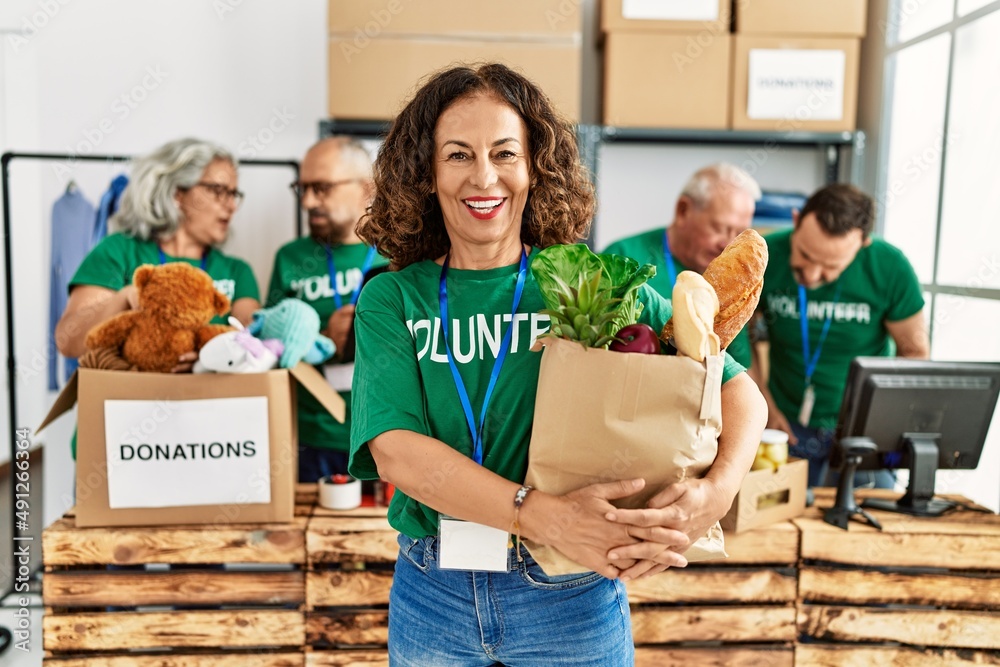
(464, 545)
(808, 401)
(339, 376)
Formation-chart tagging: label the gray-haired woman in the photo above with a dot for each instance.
(176, 208)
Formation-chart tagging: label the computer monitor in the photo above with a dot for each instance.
(921, 415)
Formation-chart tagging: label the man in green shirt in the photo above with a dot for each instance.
(859, 295)
(326, 270)
(716, 204)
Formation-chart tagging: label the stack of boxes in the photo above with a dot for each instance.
(380, 51)
(792, 65)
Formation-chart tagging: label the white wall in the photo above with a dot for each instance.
(112, 76)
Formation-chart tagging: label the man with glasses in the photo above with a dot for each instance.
(326, 270)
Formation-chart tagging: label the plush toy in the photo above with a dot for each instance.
(238, 352)
(176, 303)
(297, 326)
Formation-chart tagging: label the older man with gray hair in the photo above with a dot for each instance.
(716, 204)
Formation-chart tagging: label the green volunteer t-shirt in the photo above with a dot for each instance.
(301, 271)
(402, 379)
(879, 286)
(113, 261)
(647, 248)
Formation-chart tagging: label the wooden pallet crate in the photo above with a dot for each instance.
(920, 591)
(744, 606)
(208, 596)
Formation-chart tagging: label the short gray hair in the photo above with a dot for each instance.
(702, 186)
(148, 210)
(352, 152)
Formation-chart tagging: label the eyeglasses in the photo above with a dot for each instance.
(320, 188)
(222, 193)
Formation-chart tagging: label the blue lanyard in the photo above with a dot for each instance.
(669, 260)
(463, 394)
(332, 270)
(204, 258)
(813, 360)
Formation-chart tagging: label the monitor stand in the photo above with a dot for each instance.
(845, 506)
(922, 450)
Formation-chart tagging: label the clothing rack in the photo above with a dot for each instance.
(5, 161)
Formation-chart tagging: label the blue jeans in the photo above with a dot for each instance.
(316, 462)
(815, 444)
(454, 618)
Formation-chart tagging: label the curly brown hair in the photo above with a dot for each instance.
(405, 222)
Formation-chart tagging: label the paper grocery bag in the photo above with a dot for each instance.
(602, 416)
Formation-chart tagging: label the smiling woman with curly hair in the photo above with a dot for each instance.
(477, 173)
(405, 220)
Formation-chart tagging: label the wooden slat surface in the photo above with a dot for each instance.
(345, 539)
(651, 625)
(99, 631)
(920, 627)
(64, 544)
(128, 589)
(903, 544)
(347, 628)
(817, 655)
(777, 544)
(284, 659)
(721, 586)
(863, 587)
(345, 588)
(348, 658)
(720, 656)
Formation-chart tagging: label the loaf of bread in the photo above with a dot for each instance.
(737, 275)
(695, 308)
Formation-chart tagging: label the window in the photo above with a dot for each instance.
(940, 195)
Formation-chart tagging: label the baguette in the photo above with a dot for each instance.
(737, 275)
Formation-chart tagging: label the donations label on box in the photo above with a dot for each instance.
(800, 84)
(190, 452)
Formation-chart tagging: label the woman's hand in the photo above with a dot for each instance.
(576, 524)
(185, 362)
(131, 294)
(674, 519)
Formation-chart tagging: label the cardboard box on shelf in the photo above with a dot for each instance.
(846, 18)
(536, 19)
(790, 84)
(769, 496)
(667, 81)
(157, 448)
(375, 82)
(665, 16)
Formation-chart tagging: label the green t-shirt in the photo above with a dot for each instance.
(402, 379)
(113, 261)
(647, 248)
(879, 286)
(301, 272)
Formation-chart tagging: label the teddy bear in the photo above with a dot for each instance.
(176, 303)
(297, 326)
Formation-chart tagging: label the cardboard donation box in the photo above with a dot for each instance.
(789, 84)
(380, 51)
(157, 448)
(846, 18)
(660, 80)
(769, 496)
(602, 416)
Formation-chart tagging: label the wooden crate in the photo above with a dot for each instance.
(207, 596)
(743, 606)
(931, 585)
